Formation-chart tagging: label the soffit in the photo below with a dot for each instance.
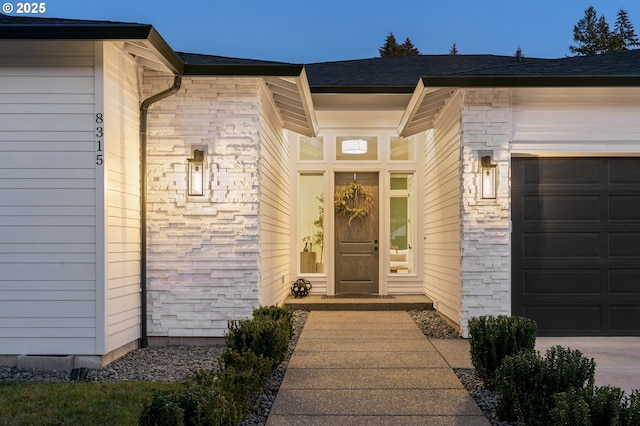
(292, 98)
(423, 109)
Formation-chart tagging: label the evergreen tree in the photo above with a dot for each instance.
(453, 50)
(392, 48)
(624, 36)
(407, 48)
(587, 33)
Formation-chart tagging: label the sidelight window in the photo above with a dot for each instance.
(401, 259)
(311, 223)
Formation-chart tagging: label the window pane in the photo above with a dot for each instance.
(311, 148)
(401, 149)
(369, 146)
(401, 224)
(311, 224)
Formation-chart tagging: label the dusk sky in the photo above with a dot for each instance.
(301, 31)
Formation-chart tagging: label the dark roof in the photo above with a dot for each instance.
(620, 69)
(197, 64)
(30, 28)
(373, 75)
(399, 73)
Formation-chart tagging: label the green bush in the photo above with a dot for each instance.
(189, 407)
(633, 410)
(607, 406)
(242, 376)
(274, 312)
(262, 336)
(519, 381)
(224, 396)
(598, 406)
(527, 383)
(164, 409)
(570, 409)
(568, 369)
(494, 338)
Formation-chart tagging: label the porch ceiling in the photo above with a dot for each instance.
(292, 97)
(423, 109)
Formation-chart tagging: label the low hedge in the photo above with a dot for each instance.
(492, 338)
(224, 396)
(527, 382)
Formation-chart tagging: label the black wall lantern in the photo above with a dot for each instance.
(488, 176)
(195, 174)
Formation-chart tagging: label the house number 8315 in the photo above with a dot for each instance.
(99, 136)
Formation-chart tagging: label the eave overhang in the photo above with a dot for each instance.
(140, 40)
(432, 93)
(292, 97)
(287, 84)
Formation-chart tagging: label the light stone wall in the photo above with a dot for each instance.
(486, 226)
(203, 265)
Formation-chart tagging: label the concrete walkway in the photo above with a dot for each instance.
(373, 368)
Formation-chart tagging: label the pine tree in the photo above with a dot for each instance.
(624, 36)
(587, 33)
(392, 48)
(453, 50)
(407, 48)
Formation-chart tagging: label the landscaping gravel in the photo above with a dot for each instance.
(175, 363)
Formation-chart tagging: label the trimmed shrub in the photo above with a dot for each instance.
(568, 369)
(190, 406)
(493, 338)
(520, 381)
(633, 410)
(262, 336)
(242, 376)
(527, 382)
(607, 406)
(224, 396)
(570, 409)
(164, 409)
(274, 312)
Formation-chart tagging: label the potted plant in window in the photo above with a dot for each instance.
(318, 237)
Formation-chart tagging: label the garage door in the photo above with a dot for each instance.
(576, 245)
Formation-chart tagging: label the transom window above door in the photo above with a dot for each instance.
(356, 148)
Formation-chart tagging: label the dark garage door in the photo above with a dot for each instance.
(576, 245)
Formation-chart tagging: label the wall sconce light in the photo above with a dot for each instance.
(488, 178)
(354, 146)
(195, 173)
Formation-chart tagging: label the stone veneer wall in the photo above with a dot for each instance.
(203, 265)
(486, 231)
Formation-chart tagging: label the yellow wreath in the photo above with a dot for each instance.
(348, 199)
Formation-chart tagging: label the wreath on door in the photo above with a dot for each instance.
(353, 201)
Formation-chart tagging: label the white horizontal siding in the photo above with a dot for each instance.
(574, 121)
(442, 226)
(275, 207)
(47, 198)
(122, 205)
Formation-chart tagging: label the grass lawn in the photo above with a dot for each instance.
(75, 403)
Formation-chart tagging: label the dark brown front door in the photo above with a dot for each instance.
(356, 243)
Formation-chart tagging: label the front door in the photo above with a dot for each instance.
(356, 243)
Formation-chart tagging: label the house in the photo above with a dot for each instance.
(153, 195)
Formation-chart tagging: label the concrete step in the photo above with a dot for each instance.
(359, 303)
